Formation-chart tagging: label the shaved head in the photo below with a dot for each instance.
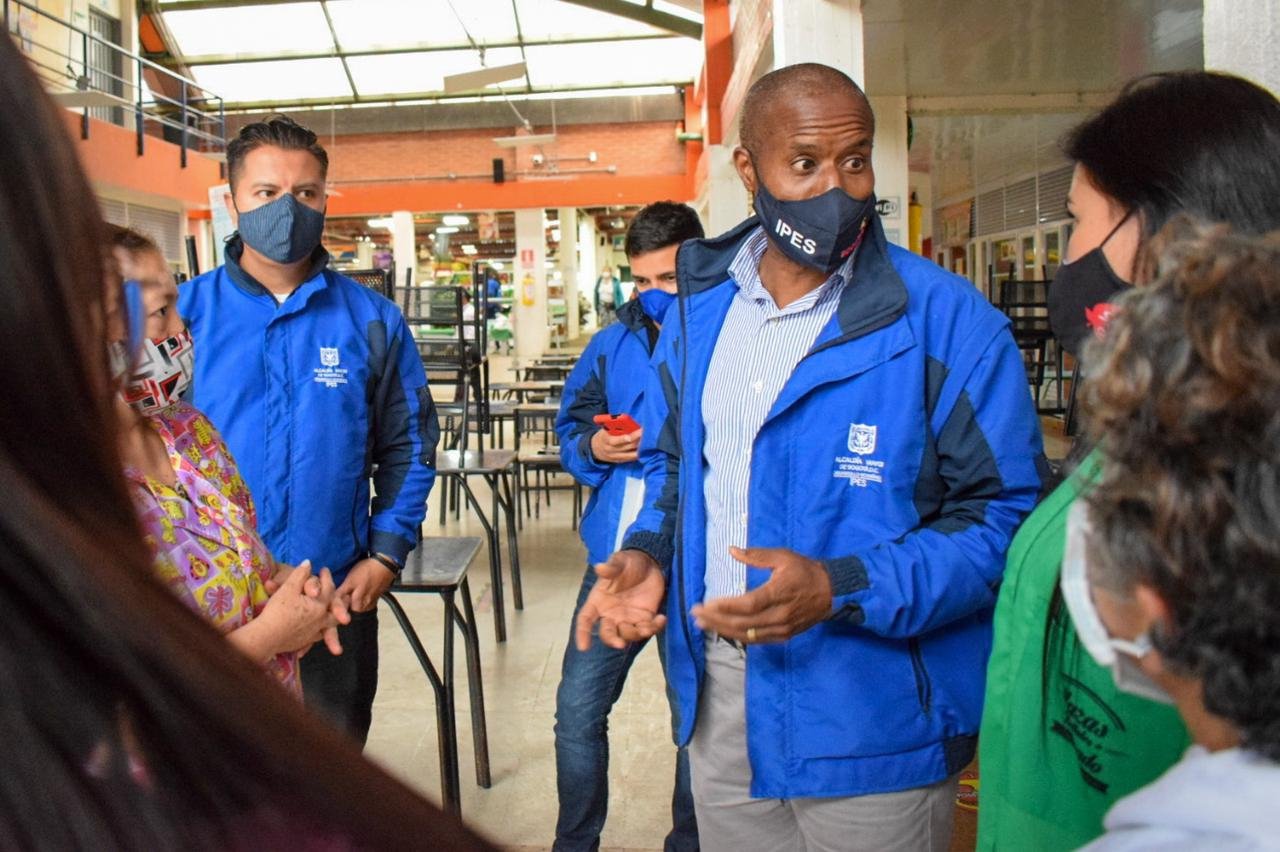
(786, 85)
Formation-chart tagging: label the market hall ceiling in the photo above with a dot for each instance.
(261, 54)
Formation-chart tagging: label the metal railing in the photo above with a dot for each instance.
(85, 71)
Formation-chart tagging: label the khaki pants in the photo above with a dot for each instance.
(729, 819)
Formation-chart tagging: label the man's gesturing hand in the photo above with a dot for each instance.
(795, 598)
(625, 601)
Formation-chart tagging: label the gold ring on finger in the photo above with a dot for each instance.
(751, 634)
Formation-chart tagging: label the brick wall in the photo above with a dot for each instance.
(635, 148)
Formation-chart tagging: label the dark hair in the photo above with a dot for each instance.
(131, 722)
(1196, 142)
(807, 79)
(1185, 404)
(131, 241)
(662, 224)
(278, 130)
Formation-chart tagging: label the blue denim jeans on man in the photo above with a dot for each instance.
(590, 684)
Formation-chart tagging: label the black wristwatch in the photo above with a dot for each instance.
(390, 564)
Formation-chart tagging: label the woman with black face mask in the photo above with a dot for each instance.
(1061, 742)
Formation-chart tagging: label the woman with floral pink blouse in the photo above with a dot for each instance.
(195, 511)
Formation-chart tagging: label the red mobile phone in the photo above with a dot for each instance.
(617, 424)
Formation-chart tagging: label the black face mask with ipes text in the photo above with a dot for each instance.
(820, 232)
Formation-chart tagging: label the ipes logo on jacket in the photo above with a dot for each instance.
(857, 468)
(329, 373)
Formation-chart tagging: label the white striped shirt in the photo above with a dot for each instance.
(758, 348)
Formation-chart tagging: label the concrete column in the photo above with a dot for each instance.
(889, 158)
(569, 264)
(364, 256)
(403, 249)
(529, 322)
(826, 31)
(724, 201)
(1240, 37)
(587, 265)
(830, 32)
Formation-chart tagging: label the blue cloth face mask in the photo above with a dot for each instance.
(820, 232)
(655, 302)
(286, 230)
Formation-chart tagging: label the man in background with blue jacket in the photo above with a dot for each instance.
(316, 384)
(840, 445)
(609, 379)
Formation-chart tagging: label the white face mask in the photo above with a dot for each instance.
(1119, 655)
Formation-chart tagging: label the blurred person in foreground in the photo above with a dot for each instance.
(197, 515)
(1061, 740)
(130, 722)
(1172, 566)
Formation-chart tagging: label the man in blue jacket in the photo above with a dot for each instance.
(316, 384)
(840, 446)
(609, 379)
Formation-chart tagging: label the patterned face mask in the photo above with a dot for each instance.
(161, 374)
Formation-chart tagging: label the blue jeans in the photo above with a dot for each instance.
(590, 683)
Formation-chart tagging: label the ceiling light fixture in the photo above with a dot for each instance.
(528, 139)
(447, 230)
(469, 81)
(456, 220)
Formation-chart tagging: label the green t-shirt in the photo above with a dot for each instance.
(1059, 743)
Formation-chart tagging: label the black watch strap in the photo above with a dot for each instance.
(391, 565)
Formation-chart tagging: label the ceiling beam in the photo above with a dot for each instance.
(1047, 102)
(188, 5)
(233, 58)
(645, 15)
(369, 99)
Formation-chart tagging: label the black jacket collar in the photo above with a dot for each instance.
(632, 315)
(234, 250)
(874, 298)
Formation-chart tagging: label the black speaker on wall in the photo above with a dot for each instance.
(499, 170)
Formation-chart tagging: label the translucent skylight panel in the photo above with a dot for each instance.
(286, 80)
(612, 63)
(542, 19)
(287, 27)
(369, 24)
(406, 73)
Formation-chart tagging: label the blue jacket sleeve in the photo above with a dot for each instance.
(584, 398)
(990, 466)
(654, 529)
(406, 432)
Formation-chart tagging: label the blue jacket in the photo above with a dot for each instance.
(609, 378)
(902, 452)
(310, 396)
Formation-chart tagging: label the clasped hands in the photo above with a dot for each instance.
(628, 594)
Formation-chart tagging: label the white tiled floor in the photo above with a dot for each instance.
(520, 679)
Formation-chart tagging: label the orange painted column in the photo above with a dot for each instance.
(717, 36)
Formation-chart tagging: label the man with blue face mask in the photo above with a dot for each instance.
(609, 379)
(316, 384)
(840, 444)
